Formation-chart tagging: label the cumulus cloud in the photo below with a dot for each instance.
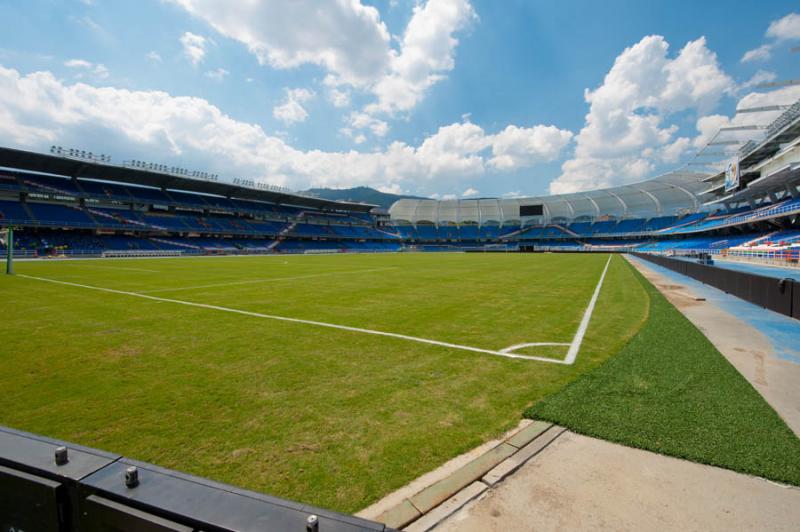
(426, 53)
(194, 47)
(218, 74)
(84, 67)
(345, 37)
(517, 147)
(783, 29)
(291, 111)
(359, 120)
(339, 98)
(154, 56)
(37, 110)
(513, 194)
(470, 193)
(350, 42)
(762, 53)
(786, 28)
(708, 126)
(761, 76)
(625, 131)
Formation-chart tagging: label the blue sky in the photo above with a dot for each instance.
(443, 98)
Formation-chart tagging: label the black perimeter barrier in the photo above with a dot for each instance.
(779, 295)
(49, 485)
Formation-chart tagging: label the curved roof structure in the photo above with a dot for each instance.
(673, 193)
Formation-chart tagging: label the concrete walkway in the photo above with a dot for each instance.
(581, 483)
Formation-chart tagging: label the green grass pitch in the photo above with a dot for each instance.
(331, 417)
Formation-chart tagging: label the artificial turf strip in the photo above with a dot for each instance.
(670, 391)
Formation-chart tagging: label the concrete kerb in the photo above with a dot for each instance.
(423, 508)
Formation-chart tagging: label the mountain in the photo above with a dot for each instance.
(359, 195)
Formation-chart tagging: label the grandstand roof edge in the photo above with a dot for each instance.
(18, 159)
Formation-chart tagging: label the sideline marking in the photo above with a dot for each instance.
(569, 360)
(572, 354)
(266, 280)
(577, 340)
(122, 268)
(295, 320)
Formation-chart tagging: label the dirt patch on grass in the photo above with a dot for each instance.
(124, 351)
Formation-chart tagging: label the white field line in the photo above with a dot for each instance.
(266, 280)
(122, 268)
(296, 320)
(569, 360)
(577, 340)
(513, 348)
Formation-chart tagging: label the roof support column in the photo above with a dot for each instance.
(622, 202)
(652, 197)
(594, 204)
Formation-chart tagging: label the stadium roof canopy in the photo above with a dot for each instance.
(71, 167)
(673, 193)
(769, 166)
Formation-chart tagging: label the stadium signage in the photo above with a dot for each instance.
(531, 210)
(732, 175)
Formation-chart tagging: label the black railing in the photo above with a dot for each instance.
(779, 295)
(49, 485)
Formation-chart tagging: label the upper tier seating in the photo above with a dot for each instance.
(13, 211)
(60, 214)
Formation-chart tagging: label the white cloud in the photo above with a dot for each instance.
(625, 130)
(517, 147)
(786, 28)
(707, 126)
(346, 38)
(761, 76)
(194, 47)
(349, 40)
(218, 74)
(359, 120)
(426, 53)
(513, 194)
(391, 189)
(83, 66)
(470, 193)
(762, 53)
(339, 98)
(37, 110)
(291, 111)
(90, 23)
(672, 152)
(154, 56)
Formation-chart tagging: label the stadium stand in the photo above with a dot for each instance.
(107, 212)
(80, 208)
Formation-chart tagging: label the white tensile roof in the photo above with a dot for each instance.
(669, 194)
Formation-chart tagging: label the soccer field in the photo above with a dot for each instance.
(332, 380)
